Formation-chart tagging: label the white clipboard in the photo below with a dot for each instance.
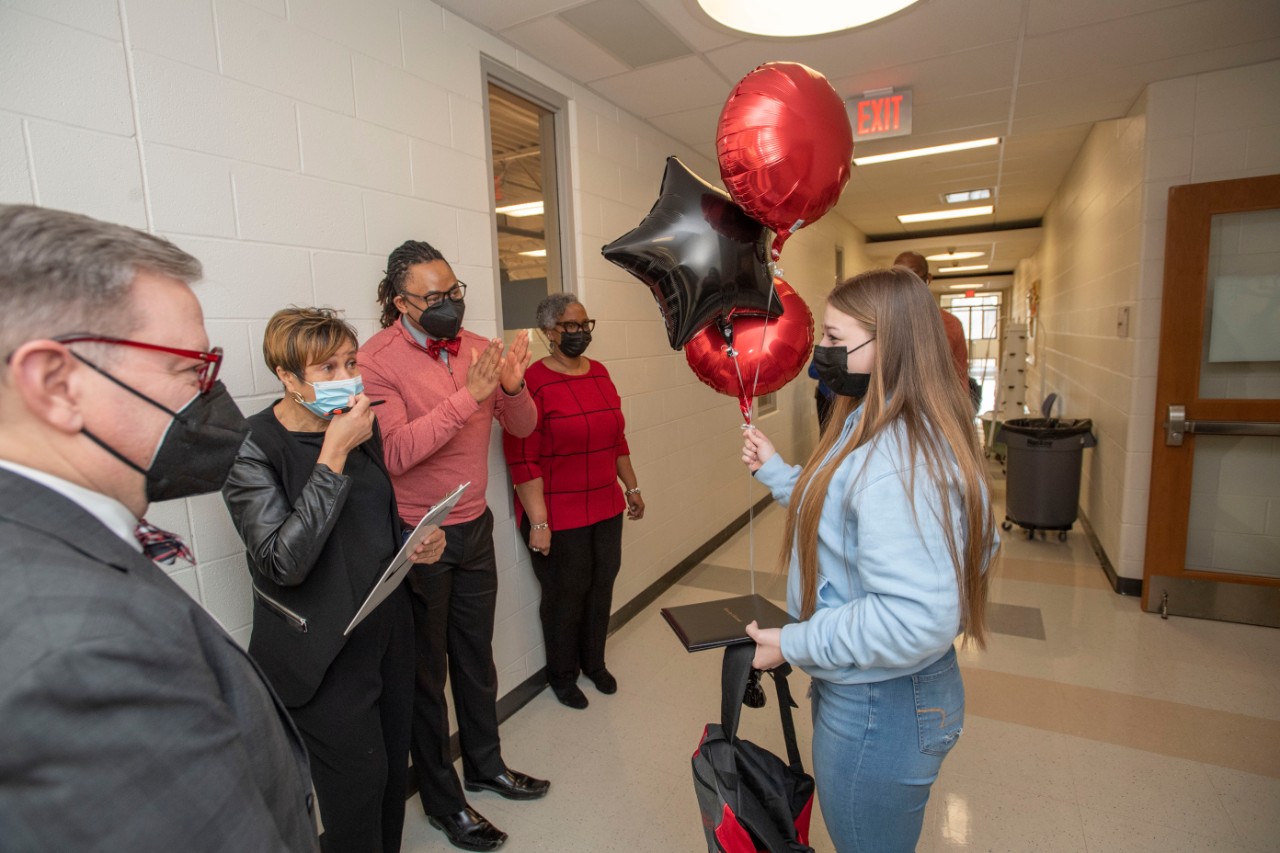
(400, 565)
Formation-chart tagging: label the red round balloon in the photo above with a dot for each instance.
(785, 147)
(766, 353)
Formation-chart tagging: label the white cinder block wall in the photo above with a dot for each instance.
(1206, 127)
(291, 147)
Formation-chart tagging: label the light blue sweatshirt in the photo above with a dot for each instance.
(887, 602)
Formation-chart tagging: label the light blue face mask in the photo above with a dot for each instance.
(333, 394)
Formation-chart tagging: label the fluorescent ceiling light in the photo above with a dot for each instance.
(535, 253)
(925, 152)
(800, 17)
(966, 195)
(966, 286)
(529, 208)
(969, 268)
(958, 213)
(954, 256)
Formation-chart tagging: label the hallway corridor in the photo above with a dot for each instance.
(1091, 726)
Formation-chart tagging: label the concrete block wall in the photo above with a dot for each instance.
(291, 146)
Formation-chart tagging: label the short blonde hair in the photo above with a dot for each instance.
(297, 337)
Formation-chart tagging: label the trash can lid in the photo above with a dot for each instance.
(1049, 427)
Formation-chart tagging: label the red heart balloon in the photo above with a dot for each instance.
(785, 147)
(766, 352)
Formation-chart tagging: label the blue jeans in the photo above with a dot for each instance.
(877, 749)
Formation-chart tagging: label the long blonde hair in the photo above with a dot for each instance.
(913, 380)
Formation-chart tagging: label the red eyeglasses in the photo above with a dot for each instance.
(210, 362)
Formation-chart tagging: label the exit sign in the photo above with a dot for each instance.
(880, 115)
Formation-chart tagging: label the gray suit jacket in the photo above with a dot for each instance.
(129, 720)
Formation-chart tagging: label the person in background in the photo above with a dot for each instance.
(568, 502)
(311, 499)
(129, 720)
(443, 387)
(956, 338)
(888, 537)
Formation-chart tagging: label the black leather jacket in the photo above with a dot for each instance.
(285, 506)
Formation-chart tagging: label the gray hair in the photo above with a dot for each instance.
(62, 272)
(552, 308)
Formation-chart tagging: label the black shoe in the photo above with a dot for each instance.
(604, 681)
(512, 784)
(571, 696)
(469, 830)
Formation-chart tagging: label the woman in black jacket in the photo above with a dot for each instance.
(313, 503)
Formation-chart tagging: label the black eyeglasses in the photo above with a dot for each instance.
(435, 297)
(571, 327)
(206, 375)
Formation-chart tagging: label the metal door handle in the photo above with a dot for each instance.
(1177, 425)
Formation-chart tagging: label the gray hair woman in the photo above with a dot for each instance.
(566, 474)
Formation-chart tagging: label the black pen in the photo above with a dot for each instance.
(346, 409)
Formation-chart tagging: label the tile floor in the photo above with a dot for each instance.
(1091, 726)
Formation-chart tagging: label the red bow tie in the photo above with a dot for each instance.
(161, 545)
(436, 344)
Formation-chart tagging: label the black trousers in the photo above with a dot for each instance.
(356, 728)
(453, 604)
(577, 595)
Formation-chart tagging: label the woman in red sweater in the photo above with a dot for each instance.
(566, 475)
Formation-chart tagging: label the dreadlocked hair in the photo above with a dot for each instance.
(912, 381)
(405, 255)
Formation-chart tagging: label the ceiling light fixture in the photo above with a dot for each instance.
(535, 253)
(801, 18)
(925, 152)
(954, 256)
(529, 208)
(958, 213)
(970, 286)
(968, 268)
(967, 195)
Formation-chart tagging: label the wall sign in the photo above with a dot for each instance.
(880, 114)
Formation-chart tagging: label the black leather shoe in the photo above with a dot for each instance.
(571, 696)
(512, 784)
(604, 681)
(469, 830)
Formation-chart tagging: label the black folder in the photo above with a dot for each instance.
(711, 624)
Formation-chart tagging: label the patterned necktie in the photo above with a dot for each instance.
(161, 545)
(450, 346)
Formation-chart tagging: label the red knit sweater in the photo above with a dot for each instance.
(574, 447)
(434, 434)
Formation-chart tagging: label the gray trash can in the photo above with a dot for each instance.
(1042, 467)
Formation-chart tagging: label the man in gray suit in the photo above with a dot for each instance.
(129, 720)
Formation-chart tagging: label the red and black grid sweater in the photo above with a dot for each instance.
(574, 447)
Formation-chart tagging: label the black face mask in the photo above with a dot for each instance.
(443, 321)
(198, 449)
(574, 344)
(832, 365)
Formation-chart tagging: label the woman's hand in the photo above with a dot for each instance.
(346, 432)
(430, 549)
(540, 540)
(768, 646)
(757, 449)
(635, 506)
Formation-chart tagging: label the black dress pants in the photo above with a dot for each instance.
(453, 604)
(356, 728)
(577, 595)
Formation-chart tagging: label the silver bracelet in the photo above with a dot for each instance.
(630, 492)
(543, 526)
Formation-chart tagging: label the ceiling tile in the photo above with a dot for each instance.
(565, 49)
(681, 84)
(700, 34)
(497, 15)
(692, 127)
(1047, 16)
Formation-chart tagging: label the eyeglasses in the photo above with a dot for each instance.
(206, 374)
(572, 327)
(435, 297)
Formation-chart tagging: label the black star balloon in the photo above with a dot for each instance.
(700, 254)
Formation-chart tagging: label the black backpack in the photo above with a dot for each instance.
(750, 799)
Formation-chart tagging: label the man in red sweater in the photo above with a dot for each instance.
(442, 387)
(916, 262)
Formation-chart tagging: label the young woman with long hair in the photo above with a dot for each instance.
(888, 537)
